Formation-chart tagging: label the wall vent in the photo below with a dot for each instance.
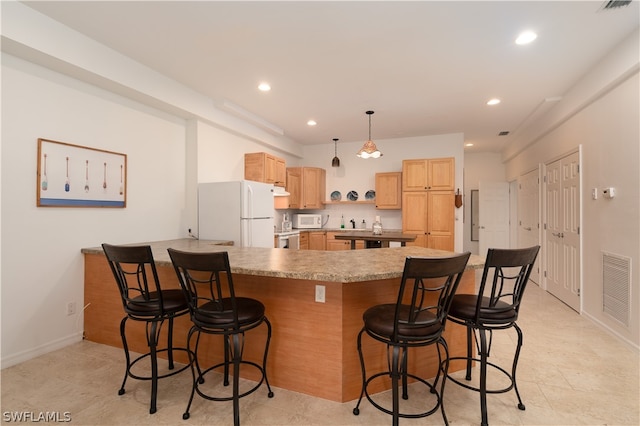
(616, 279)
(614, 4)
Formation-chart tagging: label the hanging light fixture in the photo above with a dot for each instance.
(336, 161)
(369, 149)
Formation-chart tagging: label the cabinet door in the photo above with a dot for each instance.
(254, 166)
(317, 240)
(430, 215)
(389, 190)
(294, 187)
(414, 175)
(281, 172)
(414, 213)
(304, 240)
(428, 174)
(440, 173)
(312, 188)
(440, 220)
(269, 168)
(334, 245)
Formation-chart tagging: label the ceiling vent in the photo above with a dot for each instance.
(614, 4)
(503, 133)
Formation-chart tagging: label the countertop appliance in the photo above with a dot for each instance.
(241, 211)
(307, 221)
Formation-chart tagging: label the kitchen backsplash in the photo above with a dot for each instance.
(391, 219)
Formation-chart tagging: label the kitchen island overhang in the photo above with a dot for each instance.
(313, 347)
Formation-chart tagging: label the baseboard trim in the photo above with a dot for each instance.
(611, 331)
(40, 350)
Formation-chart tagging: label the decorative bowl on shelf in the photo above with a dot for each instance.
(352, 196)
(336, 196)
(370, 195)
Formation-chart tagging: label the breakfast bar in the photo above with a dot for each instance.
(313, 346)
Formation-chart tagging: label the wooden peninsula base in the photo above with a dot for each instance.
(313, 345)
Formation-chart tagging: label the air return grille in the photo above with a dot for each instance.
(614, 4)
(616, 278)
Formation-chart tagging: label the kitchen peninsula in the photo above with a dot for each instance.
(313, 346)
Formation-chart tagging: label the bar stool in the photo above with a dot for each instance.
(495, 307)
(207, 281)
(416, 319)
(143, 300)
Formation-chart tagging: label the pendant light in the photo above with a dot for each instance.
(369, 149)
(336, 161)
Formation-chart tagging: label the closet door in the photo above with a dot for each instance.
(562, 229)
(529, 216)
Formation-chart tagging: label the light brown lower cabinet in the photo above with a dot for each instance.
(317, 240)
(334, 245)
(325, 240)
(304, 240)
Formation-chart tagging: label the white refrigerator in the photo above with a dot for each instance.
(240, 211)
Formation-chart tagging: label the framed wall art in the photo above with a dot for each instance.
(78, 176)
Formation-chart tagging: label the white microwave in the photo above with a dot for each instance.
(307, 221)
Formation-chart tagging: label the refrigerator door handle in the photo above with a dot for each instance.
(249, 201)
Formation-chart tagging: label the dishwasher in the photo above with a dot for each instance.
(289, 240)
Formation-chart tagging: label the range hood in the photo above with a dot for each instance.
(279, 191)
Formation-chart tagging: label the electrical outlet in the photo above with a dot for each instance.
(71, 308)
(320, 293)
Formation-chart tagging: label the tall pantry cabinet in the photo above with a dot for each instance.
(428, 208)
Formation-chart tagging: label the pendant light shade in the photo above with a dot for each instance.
(336, 161)
(369, 149)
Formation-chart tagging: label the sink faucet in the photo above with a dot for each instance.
(353, 223)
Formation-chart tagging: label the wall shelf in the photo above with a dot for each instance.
(350, 202)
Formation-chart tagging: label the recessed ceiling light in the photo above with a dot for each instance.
(468, 144)
(311, 122)
(264, 87)
(494, 101)
(526, 37)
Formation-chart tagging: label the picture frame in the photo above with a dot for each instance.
(71, 175)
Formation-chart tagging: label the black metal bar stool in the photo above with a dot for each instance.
(416, 319)
(495, 307)
(207, 281)
(144, 300)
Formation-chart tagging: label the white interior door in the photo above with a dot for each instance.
(529, 216)
(562, 230)
(494, 216)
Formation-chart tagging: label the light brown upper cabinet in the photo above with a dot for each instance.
(263, 167)
(428, 174)
(389, 191)
(306, 186)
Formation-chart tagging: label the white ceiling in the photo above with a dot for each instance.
(424, 67)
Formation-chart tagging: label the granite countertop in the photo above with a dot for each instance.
(334, 266)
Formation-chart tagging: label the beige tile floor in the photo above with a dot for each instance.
(571, 373)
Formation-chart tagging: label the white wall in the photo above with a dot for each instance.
(478, 167)
(359, 175)
(42, 267)
(601, 113)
